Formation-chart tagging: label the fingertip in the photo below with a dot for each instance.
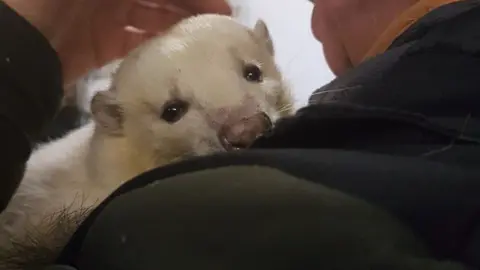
(225, 9)
(213, 6)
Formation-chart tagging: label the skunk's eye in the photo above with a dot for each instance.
(174, 110)
(252, 73)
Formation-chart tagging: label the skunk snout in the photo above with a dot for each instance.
(242, 133)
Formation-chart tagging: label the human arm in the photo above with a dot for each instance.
(88, 34)
(416, 100)
(30, 94)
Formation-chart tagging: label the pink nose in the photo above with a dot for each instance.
(242, 133)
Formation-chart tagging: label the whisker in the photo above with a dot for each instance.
(300, 51)
(288, 67)
(286, 108)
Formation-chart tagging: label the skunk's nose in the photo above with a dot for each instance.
(242, 133)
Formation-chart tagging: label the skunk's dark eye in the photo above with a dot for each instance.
(252, 73)
(174, 110)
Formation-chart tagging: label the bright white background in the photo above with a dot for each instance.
(299, 55)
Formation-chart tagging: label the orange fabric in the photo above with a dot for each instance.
(402, 23)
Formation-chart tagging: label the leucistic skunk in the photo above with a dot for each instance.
(209, 84)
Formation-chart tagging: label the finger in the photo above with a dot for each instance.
(108, 33)
(164, 5)
(197, 6)
(116, 16)
(133, 38)
(206, 6)
(153, 19)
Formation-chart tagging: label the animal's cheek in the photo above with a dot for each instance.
(270, 89)
(265, 98)
(180, 137)
(140, 125)
(279, 97)
(271, 85)
(206, 143)
(168, 144)
(199, 135)
(132, 127)
(162, 131)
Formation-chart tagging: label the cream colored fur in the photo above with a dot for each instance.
(200, 60)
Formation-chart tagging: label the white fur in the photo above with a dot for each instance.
(55, 176)
(197, 58)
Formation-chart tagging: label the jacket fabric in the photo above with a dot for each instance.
(230, 227)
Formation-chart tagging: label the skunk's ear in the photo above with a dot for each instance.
(107, 113)
(261, 32)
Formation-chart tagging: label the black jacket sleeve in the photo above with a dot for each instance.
(420, 99)
(443, 210)
(30, 95)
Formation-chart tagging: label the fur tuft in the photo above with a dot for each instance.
(41, 247)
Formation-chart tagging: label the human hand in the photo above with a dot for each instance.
(88, 34)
